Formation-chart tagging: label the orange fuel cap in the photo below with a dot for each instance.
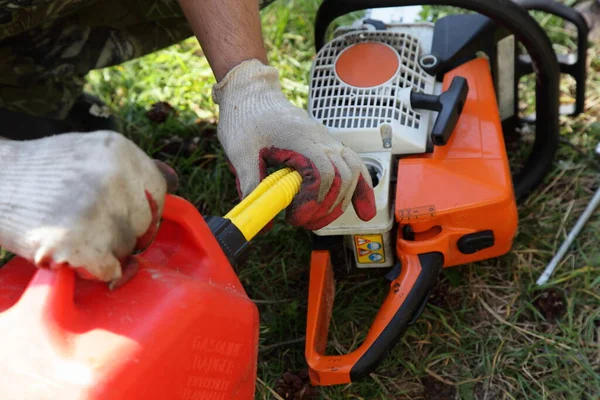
(367, 64)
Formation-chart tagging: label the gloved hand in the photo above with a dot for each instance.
(85, 201)
(258, 128)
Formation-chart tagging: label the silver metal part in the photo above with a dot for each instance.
(506, 77)
(591, 207)
(428, 61)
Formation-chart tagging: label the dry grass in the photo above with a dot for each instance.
(488, 331)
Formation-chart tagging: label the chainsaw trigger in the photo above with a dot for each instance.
(394, 273)
(419, 310)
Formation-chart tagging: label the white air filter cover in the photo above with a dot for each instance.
(371, 118)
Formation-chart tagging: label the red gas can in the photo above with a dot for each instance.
(182, 328)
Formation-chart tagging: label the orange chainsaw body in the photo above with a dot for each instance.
(182, 328)
(461, 190)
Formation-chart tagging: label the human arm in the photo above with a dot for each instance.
(229, 32)
(259, 127)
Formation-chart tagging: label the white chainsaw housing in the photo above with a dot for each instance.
(378, 118)
(377, 122)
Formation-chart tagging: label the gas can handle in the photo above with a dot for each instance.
(408, 294)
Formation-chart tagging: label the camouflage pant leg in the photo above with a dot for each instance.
(48, 46)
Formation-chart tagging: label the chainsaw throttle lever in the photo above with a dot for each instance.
(408, 293)
(449, 106)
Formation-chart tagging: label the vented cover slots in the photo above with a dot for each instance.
(339, 105)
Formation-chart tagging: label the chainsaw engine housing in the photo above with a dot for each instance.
(457, 196)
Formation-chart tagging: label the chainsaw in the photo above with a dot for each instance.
(429, 107)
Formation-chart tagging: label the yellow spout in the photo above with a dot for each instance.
(270, 197)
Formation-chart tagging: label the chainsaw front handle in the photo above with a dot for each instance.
(406, 299)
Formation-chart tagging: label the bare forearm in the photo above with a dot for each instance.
(229, 31)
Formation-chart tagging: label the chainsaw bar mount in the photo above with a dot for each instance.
(428, 106)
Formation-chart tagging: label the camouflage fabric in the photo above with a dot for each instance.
(48, 46)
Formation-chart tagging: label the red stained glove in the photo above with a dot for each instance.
(260, 128)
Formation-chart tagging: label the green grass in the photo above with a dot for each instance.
(481, 336)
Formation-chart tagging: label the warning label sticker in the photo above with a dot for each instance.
(361, 241)
(416, 213)
(369, 249)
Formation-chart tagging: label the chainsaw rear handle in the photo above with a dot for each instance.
(408, 294)
(515, 18)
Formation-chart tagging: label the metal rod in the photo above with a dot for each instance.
(593, 204)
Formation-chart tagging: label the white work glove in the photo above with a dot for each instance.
(82, 200)
(259, 128)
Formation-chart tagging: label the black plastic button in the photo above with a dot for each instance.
(407, 233)
(474, 242)
(394, 273)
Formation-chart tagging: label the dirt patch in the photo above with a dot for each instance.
(208, 128)
(159, 112)
(296, 386)
(434, 389)
(443, 296)
(478, 391)
(551, 304)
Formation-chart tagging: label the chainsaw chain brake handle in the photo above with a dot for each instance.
(462, 43)
(449, 106)
(408, 294)
(574, 65)
(235, 230)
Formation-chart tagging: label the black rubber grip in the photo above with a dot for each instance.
(232, 241)
(431, 266)
(449, 106)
